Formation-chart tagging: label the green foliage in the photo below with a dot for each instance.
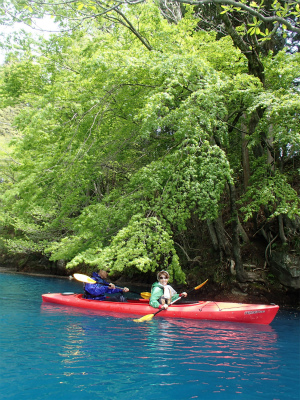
(272, 191)
(7, 117)
(143, 245)
(120, 146)
(192, 179)
(22, 78)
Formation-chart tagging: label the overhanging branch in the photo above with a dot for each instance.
(255, 13)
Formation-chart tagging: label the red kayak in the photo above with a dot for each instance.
(204, 310)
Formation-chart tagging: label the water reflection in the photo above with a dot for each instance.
(229, 342)
(235, 355)
(209, 357)
(58, 352)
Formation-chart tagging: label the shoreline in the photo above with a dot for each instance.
(225, 296)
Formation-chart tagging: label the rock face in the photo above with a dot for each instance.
(286, 267)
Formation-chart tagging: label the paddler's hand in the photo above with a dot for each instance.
(111, 286)
(125, 289)
(164, 306)
(183, 294)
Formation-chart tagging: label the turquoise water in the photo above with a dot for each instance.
(52, 352)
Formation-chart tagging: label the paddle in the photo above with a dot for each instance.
(86, 279)
(148, 317)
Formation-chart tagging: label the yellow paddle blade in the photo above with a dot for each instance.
(84, 278)
(146, 295)
(144, 318)
(201, 284)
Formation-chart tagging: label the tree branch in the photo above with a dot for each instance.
(251, 11)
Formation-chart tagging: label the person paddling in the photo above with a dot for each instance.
(162, 294)
(98, 290)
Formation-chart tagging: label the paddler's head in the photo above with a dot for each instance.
(163, 277)
(103, 274)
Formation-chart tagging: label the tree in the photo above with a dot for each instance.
(121, 143)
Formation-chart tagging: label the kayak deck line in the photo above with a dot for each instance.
(201, 310)
(235, 306)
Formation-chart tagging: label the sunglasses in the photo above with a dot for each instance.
(163, 277)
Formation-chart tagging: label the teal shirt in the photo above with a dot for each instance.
(156, 292)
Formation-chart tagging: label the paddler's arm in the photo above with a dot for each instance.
(95, 289)
(176, 295)
(156, 293)
(117, 290)
(111, 286)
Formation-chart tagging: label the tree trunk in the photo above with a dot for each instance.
(258, 150)
(270, 148)
(240, 273)
(171, 10)
(281, 229)
(255, 66)
(245, 154)
(242, 232)
(213, 235)
(221, 235)
(218, 236)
